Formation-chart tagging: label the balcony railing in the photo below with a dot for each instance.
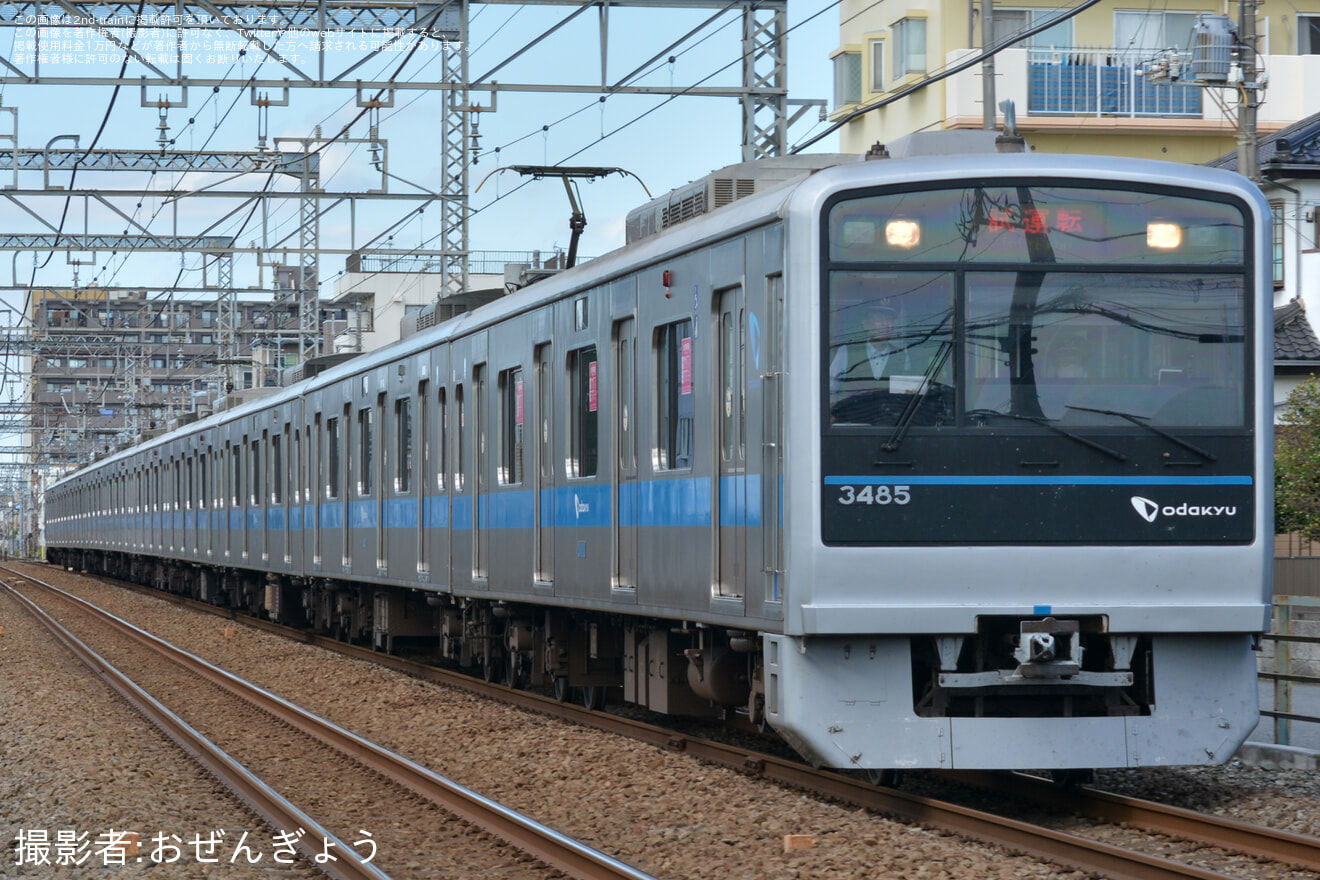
(1103, 82)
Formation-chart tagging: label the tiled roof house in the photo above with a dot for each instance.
(1290, 168)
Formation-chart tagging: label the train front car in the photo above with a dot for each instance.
(1028, 498)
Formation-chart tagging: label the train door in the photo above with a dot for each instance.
(343, 447)
(545, 466)
(731, 489)
(281, 481)
(772, 449)
(176, 505)
(156, 510)
(417, 476)
(364, 511)
(382, 467)
(440, 518)
(625, 435)
(202, 538)
(464, 511)
(320, 485)
(245, 448)
(190, 505)
(298, 493)
(208, 497)
(480, 524)
(256, 520)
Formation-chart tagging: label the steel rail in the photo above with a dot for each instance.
(259, 797)
(1061, 848)
(1299, 849)
(557, 850)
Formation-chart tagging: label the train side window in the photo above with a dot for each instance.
(674, 405)
(202, 485)
(583, 383)
(178, 484)
(459, 432)
(365, 450)
(545, 410)
(297, 466)
(256, 471)
(188, 493)
(235, 476)
(511, 426)
(442, 459)
(277, 475)
(332, 458)
(403, 433)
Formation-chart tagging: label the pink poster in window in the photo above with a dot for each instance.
(685, 366)
(518, 399)
(591, 386)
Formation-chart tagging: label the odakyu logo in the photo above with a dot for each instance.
(1149, 510)
(579, 506)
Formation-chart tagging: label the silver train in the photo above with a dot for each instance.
(944, 462)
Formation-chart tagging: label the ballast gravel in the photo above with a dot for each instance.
(80, 767)
(665, 813)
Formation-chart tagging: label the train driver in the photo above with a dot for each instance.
(871, 358)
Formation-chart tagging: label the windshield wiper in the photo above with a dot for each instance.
(1046, 423)
(927, 383)
(1141, 422)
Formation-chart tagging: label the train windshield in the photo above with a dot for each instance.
(975, 306)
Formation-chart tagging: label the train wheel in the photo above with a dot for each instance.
(888, 778)
(513, 671)
(491, 668)
(593, 697)
(1072, 778)
(562, 689)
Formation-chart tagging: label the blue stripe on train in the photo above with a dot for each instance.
(683, 502)
(1013, 480)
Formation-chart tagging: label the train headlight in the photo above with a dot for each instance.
(1165, 236)
(902, 233)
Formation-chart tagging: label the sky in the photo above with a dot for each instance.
(663, 142)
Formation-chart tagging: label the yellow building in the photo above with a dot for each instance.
(1116, 70)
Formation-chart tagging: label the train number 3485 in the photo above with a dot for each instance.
(874, 495)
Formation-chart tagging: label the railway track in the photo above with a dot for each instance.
(304, 759)
(1283, 846)
(1070, 850)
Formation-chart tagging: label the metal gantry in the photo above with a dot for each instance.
(104, 222)
(267, 27)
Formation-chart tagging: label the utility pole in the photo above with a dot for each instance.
(1248, 160)
(988, 66)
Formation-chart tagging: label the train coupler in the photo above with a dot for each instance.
(1049, 648)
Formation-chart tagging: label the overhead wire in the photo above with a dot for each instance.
(604, 136)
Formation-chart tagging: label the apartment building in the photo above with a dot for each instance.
(107, 366)
(1113, 79)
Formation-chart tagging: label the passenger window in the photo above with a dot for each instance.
(511, 426)
(235, 476)
(256, 472)
(442, 460)
(403, 459)
(276, 470)
(675, 408)
(332, 458)
(460, 431)
(583, 383)
(365, 451)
